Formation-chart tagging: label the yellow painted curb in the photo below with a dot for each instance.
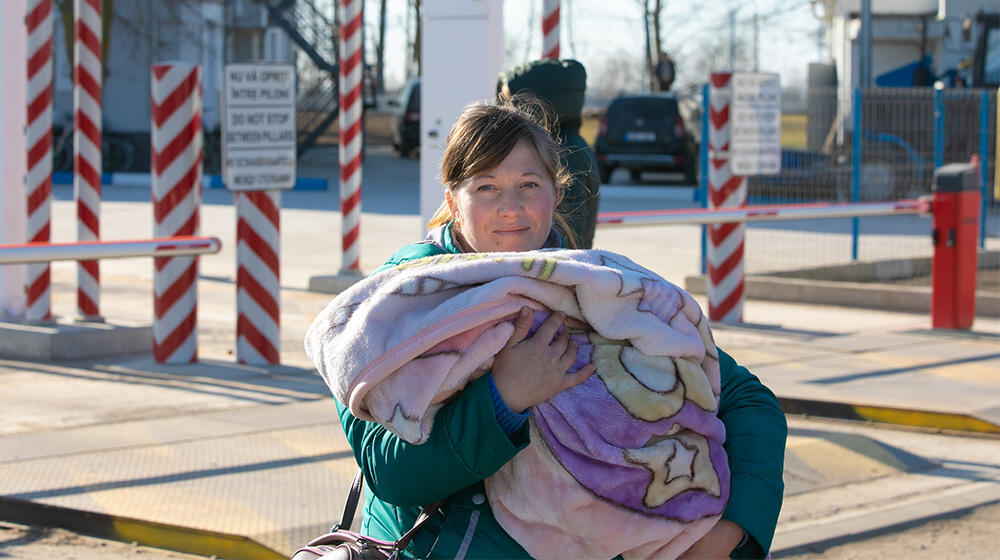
(923, 419)
(146, 533)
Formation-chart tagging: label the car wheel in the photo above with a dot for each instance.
(404, 149)
(605, 173)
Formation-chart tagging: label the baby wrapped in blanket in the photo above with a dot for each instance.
(629, 462)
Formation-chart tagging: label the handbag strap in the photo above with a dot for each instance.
(426, 514)
(354, 495)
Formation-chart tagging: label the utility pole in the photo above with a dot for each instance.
(756, 41)
(380, 53)
(732, 43)
(866, 43)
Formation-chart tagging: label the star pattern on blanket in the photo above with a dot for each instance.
(630, 275)
(676, 465)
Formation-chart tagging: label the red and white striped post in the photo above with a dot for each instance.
(725, 190)
(258, 303)
(351, 104)
(176, 186)
(550, 29)
(87, 78)
(39, 142)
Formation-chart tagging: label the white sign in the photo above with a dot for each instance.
(258, 128)
(755, 125)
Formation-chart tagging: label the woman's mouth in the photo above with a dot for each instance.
(510, 230)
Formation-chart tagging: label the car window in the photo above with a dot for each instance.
(414, 103)
(648, 109)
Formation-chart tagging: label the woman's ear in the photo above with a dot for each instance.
(452, 206)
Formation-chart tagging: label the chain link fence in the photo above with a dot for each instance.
(904, 133)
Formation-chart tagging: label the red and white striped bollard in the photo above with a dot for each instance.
(39, 142)
(258, 252)
(351, 134)
(176, 186)
(724, 285)
(550, 29)
(87, 77)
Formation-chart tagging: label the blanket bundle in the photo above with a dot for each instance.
(629, 462)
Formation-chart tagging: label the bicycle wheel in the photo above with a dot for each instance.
(117, 154)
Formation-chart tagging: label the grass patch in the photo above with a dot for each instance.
(793, 130)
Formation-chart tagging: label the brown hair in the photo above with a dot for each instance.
(485, 134)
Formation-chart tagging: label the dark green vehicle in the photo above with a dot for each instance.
(645, 132)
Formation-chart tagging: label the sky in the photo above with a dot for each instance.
(603, 34)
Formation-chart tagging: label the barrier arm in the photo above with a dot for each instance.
(95, 250)
(763, 213)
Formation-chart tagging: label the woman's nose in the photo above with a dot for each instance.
(510, 203)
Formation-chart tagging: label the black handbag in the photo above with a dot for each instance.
(343, 544)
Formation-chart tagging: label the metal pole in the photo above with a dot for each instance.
(856, 169)
(763, 213)
(938, 129)
(732, 31)
(95, 250)
(756, 42)
(866, 43)
(984, 155)
(13, 163)
(702, 192)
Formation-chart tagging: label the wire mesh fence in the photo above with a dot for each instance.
(904, 133)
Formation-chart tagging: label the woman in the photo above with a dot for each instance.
(503, 181)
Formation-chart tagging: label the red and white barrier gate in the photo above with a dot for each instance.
(39, 142)
(258, 250)
(350, 134)
(176, 189)
(724, 284)
(30, 253)
(550, 29)
(88, 76)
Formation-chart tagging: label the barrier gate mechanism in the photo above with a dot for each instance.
(955, 237)
(955, 207)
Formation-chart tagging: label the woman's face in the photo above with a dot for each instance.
(509, 207)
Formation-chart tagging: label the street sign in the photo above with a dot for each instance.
(258, 127)
(755, 126)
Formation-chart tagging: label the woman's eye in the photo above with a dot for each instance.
(486, 187)
(530, 184)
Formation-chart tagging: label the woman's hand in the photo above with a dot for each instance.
(528, 371)
(718, 543)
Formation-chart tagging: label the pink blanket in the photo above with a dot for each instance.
(630, 462)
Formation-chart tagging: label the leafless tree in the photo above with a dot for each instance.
(415, 10)
(652, 11)
(380, 49)
(620, 72)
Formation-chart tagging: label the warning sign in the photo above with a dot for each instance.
(755, 125)
(258, 128)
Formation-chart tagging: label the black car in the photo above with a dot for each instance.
(645, 133)
(406, 121)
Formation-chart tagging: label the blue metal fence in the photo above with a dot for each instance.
(883, 145)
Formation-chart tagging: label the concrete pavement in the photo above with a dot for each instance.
(236, 461)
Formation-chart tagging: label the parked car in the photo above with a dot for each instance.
(406, 120)
(645, 132)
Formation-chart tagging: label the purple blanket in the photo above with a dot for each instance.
(630, 462)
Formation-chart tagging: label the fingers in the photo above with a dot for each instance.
(574, 379)
(522, 324)
(547, 330)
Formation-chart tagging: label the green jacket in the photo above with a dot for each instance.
(466, 445)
